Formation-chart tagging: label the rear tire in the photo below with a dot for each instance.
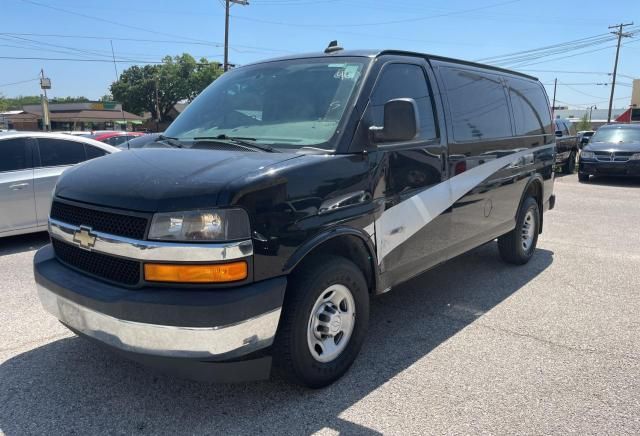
(517, 246)
(329, 293)
(583, 177)
(570, 165)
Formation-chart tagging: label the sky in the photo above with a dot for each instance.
(146, 30)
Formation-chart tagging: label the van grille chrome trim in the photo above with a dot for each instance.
(153, 250)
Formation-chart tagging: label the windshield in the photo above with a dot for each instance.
(617, 134)
(285, 104)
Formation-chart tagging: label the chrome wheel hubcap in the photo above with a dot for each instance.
(528, 230)
(331, 323)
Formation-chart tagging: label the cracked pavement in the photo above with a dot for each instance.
(473, 346)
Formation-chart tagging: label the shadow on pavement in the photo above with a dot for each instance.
(22, 243)
(73, 386)
(622, 182)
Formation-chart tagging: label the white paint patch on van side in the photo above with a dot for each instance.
(399, 223)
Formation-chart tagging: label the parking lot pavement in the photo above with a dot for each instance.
(472, 346)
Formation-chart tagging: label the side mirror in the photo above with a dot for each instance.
(558, 133)
(400, 121)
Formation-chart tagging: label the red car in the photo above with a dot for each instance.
(117, 139)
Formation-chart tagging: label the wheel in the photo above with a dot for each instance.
(324, 322)
(570, 165)
(583, 177)
(518, 245)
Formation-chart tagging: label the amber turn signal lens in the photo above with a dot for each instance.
(211, 273)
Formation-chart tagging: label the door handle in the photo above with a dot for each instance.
(18, 186)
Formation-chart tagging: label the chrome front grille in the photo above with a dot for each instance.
(613, 156)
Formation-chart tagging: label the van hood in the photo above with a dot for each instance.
(161, 180)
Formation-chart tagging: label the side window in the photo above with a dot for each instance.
(571, 128)
(14, 155)
(93, 152)
(404, 81)
(54, 152)
(530, 107)
(478, 105)
(117, 140)
(566, 131)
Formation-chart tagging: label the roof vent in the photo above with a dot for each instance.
(333, 47)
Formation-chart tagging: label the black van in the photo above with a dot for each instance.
(288, 194)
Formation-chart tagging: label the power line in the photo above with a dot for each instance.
(17, 83)
(120, 61)
(235, 47)
(91, 17)
(379, 23)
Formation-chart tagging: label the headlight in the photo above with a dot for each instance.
(635, 156)
(201, 225)
(587, 154)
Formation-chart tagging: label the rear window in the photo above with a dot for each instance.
(93, 152)
(531, 110)
(478, 105)
(55, 152)
(14, 155)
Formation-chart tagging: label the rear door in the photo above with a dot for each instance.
(54, 156)
(17, 204)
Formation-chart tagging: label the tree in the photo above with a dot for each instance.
(176, 79)
(16, 103)
(584, 123)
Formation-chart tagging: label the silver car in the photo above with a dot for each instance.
(30, 164)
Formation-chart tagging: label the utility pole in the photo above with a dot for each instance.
(45, 83)
(115, 69)
(553, 105)
(620, 34)
(227, 5)
(157, 106)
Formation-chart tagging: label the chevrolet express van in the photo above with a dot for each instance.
(285, 197)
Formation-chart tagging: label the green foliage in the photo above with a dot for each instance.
(584, 123)
(16, 103)
(176, 79)
(69, 100)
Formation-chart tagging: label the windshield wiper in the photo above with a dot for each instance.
(174, 142)
(241, 140)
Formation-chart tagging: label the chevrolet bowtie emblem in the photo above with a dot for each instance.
(84, 238)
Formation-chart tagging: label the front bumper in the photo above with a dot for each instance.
(592, 167)
(167, 323)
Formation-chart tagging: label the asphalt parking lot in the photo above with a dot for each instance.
(473, 346)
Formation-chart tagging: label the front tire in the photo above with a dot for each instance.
(324, 322)
(517, 246)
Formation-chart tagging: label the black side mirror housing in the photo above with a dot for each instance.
(558, 133)
(400, 121)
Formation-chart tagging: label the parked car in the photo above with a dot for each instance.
(30, 163)
(116, 138)
(584, 136)
(614, 150)
(567, 143)
(294, 191)
(146, 140)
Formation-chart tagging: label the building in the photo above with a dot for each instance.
(73, 116)
(597, 117)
